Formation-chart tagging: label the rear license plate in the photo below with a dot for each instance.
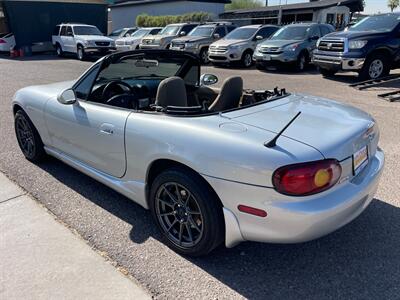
(267, 57)
(360, 160)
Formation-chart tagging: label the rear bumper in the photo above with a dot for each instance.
(295, 219)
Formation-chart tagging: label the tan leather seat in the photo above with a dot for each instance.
(171, 92)
(230, 94)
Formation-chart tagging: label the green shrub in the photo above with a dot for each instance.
(144, 20)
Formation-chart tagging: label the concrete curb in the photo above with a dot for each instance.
(42, 259)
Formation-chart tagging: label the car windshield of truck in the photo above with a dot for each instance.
(383, 23)
(140, 33)
(291, 33)
(202, 31)
(241, 34)
(170, 30)
(116, 32)
(86, 30)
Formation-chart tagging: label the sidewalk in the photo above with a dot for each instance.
(42, 259)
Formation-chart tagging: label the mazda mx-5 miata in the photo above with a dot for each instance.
(213, 165)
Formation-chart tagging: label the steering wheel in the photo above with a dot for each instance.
(114, 88)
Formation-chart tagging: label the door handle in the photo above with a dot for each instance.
(107, 128)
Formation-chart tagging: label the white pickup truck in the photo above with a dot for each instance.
(80, 39)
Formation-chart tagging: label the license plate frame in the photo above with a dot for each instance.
(267, 57)
(360, 160)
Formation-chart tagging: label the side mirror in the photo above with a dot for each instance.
(182, 33)
(208, 79)
(314, 38)
(216, 36)
(259, 37)
(67, 97)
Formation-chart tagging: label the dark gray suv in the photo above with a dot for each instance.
(292, 44)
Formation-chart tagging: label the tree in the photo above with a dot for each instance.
(392, 4)
(240, 4)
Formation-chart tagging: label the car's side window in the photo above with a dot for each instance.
(69, 30)
(56, 30)
(324, 30)
(63, 31)
(220, 30)
(155, 31)
(230, 28)
(314, 31)
(82, 90)
(188, 28)
(266, 32)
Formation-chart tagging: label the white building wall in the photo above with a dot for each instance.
(125, 16)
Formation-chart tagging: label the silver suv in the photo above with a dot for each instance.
(239, 45)
(200, 38)
(166, 35)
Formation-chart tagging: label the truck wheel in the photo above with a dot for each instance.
(377, 65)
(187, 212)
(59, 50)
(327, 73)
(204, 56)
(80, 52)
(247, 59)
(302, 62)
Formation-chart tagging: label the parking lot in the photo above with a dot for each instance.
(359, 261)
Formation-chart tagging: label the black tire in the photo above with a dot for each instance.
(327, 73)
(302, 62)
(375, 66)
(247, 59)
(204, 56)
(59, 50)
(28, 137)
(206, 224)
(80, 52)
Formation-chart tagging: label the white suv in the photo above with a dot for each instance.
(81, 39)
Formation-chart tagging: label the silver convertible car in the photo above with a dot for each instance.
(213, 165)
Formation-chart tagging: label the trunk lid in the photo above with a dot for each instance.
(334, 129)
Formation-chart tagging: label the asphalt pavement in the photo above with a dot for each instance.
(359, 261)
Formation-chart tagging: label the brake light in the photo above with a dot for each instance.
(307, 178)
(2, 41)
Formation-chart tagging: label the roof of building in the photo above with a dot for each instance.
(118, 3)
(355, 5)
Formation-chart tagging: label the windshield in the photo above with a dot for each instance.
(86, 30)
(140, 33)
(116, 32)
(291, 33)
(170, 30)
(382, 23)
(241, 34)
(202, 31)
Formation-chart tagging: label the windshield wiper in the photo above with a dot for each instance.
(272, 143)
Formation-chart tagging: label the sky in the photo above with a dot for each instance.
(372, 6)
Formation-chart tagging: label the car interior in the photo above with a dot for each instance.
(165, 82)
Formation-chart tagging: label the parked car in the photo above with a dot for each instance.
(80, 39)
(7, 42)
(265, 166)
(370, 47)
(132, 42)
(292, 44)
(239, 45)
(166, 35)
(200, 38)
(122, 32)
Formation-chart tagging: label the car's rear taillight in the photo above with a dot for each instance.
(307, 178)
(2, 41)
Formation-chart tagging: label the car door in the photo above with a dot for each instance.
(67, 39)
(91, 133)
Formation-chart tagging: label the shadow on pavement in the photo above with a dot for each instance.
(359, 261)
